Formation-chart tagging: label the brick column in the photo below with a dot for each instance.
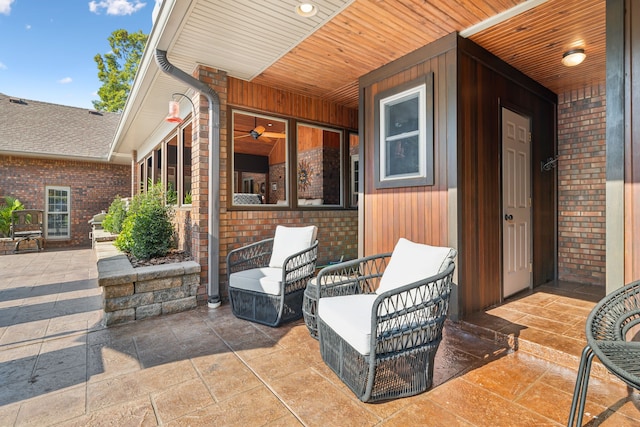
(581, 185)
(217, 80)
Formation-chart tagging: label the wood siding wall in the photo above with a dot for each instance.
(416, 213)
(485, 85)
(632, 147)
(470, 87)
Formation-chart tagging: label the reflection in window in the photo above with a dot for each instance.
(401, 135)
(404, 134)
(170, 163)
(157, 161)
(58, 212)
(319, 174)
(259, 160)
(172, 171)
(355, 167)
(186, 164)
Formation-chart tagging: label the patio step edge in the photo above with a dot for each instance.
(515, 343)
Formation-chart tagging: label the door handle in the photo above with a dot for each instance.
(508, 217)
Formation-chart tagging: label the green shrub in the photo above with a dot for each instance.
(7, 206)
(147, 230)
(115, 216)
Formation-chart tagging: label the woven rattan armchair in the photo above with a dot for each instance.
(267, 279)
(379, 332)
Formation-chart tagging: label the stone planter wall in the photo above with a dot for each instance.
(8, 245)
(137, 293)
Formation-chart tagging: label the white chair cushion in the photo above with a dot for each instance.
(350, 317)
(290, 240)
(267, 280)
(411, 262)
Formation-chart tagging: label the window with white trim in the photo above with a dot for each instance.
(404, 135)
(58, 211)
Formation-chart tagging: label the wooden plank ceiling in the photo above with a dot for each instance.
(370, 33)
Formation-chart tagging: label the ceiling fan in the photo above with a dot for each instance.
(260, 132)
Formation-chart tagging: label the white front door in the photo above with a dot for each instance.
(516, 203)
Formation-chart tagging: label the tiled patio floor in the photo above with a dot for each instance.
(59, 366)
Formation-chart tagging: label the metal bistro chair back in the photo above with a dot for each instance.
(610, 328)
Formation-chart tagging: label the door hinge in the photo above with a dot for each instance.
(529, 137)
(530, 202)
(530, 267)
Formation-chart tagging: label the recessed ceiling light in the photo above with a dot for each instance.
(573, 57)
(306, 10)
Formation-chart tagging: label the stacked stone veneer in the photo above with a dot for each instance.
(137, 293)
(8, 245)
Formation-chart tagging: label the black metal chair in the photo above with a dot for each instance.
(379, 331)
(610, 328)
(267, 279)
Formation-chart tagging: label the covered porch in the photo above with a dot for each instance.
(512, 365)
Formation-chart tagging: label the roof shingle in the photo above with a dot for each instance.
(41, 129)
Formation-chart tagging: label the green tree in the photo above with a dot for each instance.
(117, 69)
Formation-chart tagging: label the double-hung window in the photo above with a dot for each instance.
(58, 209)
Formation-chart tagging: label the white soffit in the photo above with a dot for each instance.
(245, 37)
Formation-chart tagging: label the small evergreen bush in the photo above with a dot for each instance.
(115, 216)
(147, 230)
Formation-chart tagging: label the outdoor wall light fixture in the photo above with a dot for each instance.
(573, 57)
(306, 10)
(174, 109)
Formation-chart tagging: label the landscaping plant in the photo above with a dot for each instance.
(7, 207)
(115, 216)
(147, 231)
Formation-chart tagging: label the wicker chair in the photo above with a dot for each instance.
(267, 279)
(380, 332)
(611, 330)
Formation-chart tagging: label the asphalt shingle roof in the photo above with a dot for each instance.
(37, 128)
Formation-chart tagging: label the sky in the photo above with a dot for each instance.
(47, 46)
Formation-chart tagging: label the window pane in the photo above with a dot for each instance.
(58, 225)
(319, 173)
(149, 176)
(402, 155)
(172, 171)
(354, 145)
(402, 115)
(259, 160)
(58, 212)
(141, 186)
(157, 160)
(186, 165)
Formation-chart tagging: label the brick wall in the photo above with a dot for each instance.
(337, 232)
(581, 185)
(93, 187)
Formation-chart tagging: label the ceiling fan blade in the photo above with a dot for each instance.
(274, 134)
(242, 136)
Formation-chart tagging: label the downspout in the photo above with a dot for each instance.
(213, 285)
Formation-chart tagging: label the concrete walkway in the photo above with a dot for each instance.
(60, 366)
